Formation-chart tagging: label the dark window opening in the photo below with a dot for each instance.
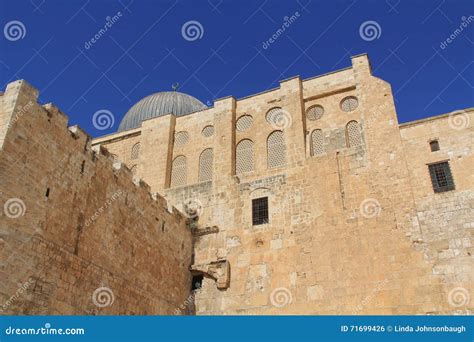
(259, 211)
(197, 282)
(441, 177)
(47, 192)
(82, 166)
(434, 145)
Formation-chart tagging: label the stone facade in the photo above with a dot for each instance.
(354, 225)
(78, 234)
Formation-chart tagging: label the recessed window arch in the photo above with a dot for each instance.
(276, 149)
(135, 151)
(208, 131)
(244, 156)
(353, 134)
(205, 165)
(317, 142)
(133, 169)
(179, 171)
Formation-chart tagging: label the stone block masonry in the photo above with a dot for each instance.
(78, 233)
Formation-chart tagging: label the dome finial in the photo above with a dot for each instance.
(175, 86)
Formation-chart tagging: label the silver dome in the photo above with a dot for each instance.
(159, 104)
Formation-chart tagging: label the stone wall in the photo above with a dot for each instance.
(79, 234)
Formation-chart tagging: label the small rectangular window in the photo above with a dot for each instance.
(259, 211)
(434, 145)
(441, 177)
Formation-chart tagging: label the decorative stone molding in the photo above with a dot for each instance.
(205, 231)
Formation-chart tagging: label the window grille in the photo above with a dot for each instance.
(181, 138)
(317, 142)
(275, 115)
(178, 171)
(135, 151)
(441, 177)
(208, 131)
(244, 157)
(244, 123)
(276, 149)
(315, 113)
(350, 103)
(259, 211)
(353, 137)
(205, 165)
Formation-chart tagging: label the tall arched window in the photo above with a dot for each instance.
(205, 165)
(135, 151)
(317, 142)
(178, 171)
(353, 137)
(244, 156)
(276, 149)
(133, 169)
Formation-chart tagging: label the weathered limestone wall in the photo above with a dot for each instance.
(445, 220)
(74, 222)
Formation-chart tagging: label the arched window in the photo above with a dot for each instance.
(317, 142)
(244, 156)
(205, 165)
(434, 145)
(135, 151)
(353, 134)
(178, 171)
(276, 149)
(133, 168)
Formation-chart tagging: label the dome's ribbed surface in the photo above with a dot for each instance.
(159, 104)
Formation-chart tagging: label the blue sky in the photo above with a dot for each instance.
(144, 50)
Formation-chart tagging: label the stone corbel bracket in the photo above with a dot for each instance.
(205, 231)
(217, 270)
